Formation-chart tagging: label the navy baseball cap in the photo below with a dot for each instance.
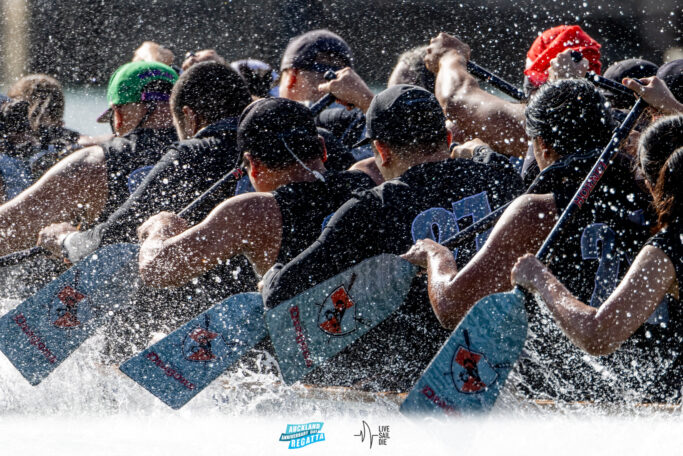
(317, 50)
(277, 131)
(404, 114)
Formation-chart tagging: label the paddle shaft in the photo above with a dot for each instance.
(22, 255)
(596, 173)
(320, 105)
(220, 190)
(495, 81)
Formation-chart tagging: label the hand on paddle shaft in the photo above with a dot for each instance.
(46, 328)
(498, 321)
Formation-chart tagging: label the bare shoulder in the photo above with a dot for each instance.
(532, 209)
(245, 209)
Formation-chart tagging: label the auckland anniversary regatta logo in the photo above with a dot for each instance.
(70, 308)
(301, 435)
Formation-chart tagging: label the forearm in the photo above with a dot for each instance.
(170, 262)
(577, 320)
(477, 113)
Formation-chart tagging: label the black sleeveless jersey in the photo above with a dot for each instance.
(435, 200)
(650, 362)
(590, 257)
(305, 206)
(596, 248)
(123, 155)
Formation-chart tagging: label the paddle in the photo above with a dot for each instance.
(470, 369)
(22, 255)
(239, 321)
(320, 105)
(147, 368)
(45, 329)
(495, 81)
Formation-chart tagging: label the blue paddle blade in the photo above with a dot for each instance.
(316, 325)
(179, 366)
(45, 329)
(467, 374)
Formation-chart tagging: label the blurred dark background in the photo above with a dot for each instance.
(83, 42)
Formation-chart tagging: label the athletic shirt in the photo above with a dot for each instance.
(591, 255)
(186, 170)
(305, 206)
(140, 148)
(434, 199)
(655, 349)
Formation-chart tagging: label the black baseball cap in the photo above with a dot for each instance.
(317, 50)
(672, 74)
(277, 131)
(404, 114)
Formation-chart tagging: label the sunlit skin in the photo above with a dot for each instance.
(52, 236)
(601, 331)
(301, 85)
(73, 191)
(521, 229)
(477, 113)
(250, 224)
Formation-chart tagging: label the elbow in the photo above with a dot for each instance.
(448, 312)
(599, 348)
(152, 276)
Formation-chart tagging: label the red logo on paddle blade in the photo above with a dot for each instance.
(202, 350)
(471, 371)
(337, 313)
(66, 307)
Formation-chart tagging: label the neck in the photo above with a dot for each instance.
(161, 118)
(403, 164)
(291, 174)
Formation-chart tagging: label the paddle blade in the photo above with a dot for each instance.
(470, 369)
(319, 323)
(179, 366)
(45, 329)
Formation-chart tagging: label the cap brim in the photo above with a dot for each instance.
(105, 117)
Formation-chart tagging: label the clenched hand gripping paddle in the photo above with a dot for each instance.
(469, 371)
(45, 329)
(167, 365)
(171, 371)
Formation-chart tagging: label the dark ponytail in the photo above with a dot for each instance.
(668, 191)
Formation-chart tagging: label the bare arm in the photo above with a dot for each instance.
(522, 228)
(249, 224)
(601, 331)
(74, 190)
(477, 113)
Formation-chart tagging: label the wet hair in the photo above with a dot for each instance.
(44, 96)
(417, 73)
(657, 143)
(14, 118)
(212, 90)
(668, 192)
(570, 115)
(258, 75)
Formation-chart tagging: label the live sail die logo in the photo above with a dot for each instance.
(301, 435)
(471, 372)
(337, 314)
